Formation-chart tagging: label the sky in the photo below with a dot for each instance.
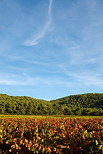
(51, 48)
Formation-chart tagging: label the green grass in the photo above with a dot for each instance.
(47, 116)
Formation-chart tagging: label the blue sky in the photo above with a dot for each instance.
(51, 48)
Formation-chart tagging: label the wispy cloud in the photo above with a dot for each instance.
(27, 80)
(85, 78)
(35, 40)
(81, 36)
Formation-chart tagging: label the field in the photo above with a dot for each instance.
(47, 116)
(51, 134)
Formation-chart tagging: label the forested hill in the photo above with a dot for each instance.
(23, 105)
(90, 100)
(84, 104)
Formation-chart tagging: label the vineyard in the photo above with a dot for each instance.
(51, 135)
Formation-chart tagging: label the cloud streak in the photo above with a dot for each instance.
(9, 79)
(85, 77)
(35, 40)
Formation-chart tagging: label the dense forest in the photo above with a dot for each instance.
(84, 104)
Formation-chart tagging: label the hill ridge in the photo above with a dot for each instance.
(80, 104)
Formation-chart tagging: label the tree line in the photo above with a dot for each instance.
(84, 104)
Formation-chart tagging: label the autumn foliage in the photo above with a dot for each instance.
(51, 135)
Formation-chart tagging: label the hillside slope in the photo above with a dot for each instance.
(23, 105)
(90, 100)
(84, 104)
